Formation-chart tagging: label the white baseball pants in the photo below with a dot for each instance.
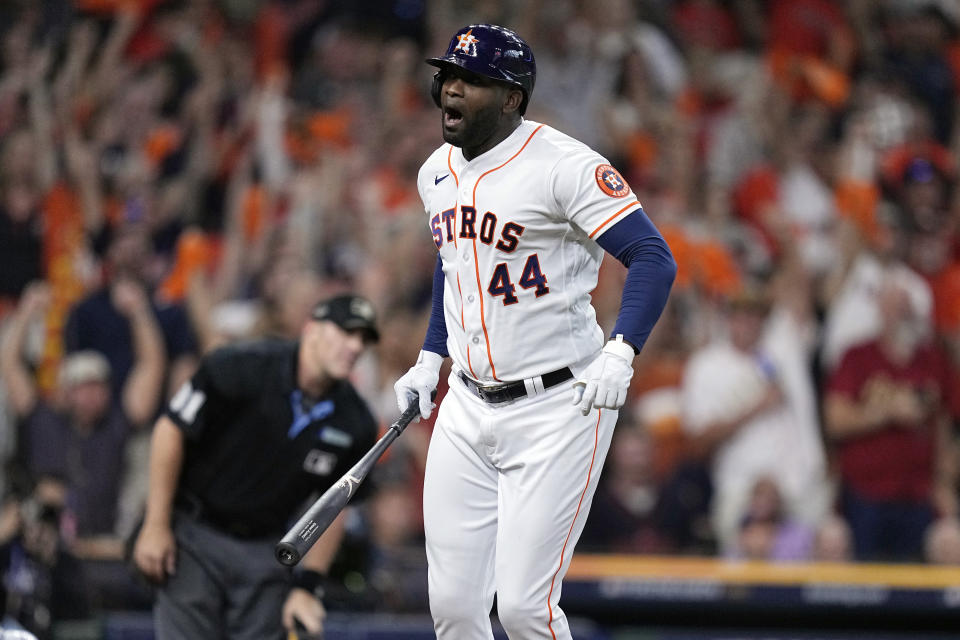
(506, 495)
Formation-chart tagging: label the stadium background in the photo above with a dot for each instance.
(251, 156)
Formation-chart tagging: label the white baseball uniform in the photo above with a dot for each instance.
(508, 486)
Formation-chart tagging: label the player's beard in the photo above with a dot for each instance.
(476, 130)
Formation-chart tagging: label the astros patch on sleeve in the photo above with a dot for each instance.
(592, 193)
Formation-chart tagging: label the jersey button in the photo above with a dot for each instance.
(476, 340)
(470, 298)
(466, 258)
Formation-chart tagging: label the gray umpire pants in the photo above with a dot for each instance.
(223, 588)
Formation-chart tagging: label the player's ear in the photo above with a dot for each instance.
(513, 100)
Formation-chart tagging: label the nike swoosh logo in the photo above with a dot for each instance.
(437, 181)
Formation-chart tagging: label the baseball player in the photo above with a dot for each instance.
(521, 215)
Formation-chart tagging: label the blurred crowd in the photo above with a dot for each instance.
(176, 174)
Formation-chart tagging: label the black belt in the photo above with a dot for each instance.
(192, 507)
(507, 391)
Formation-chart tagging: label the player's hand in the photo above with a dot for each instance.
(604, 383)
(155, 552)
(307, 609)
(421, 379)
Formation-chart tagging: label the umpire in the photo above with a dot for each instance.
(241, 447)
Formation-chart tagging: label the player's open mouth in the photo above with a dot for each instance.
(451, 117)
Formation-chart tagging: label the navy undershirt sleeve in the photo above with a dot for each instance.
(436, 340)
(636, 243)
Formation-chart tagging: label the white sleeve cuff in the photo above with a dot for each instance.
(620, 348)
(430, 359)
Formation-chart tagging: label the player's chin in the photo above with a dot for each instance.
(453, 136)
(452, 139)
(453, 132)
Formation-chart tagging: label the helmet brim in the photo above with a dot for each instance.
(493, 74)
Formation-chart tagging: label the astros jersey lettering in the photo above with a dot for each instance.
(515, 228)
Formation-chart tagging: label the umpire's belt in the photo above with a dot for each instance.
(507, 391)
(193, 507)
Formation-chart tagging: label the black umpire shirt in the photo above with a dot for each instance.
(256, 447)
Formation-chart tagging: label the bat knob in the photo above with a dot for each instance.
(287, 554)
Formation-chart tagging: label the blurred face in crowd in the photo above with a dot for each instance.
(887, 239)
(924, 196)
(18, 159)
(88, 402)
(632, 456)
(925, 202)
(761, 520)
(19, 201)
(746, 324)
(765, 502)
(130, 251)
(902, 332)
(391, 516)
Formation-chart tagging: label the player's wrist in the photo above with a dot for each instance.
(429, 359)
(311, 581)
(620, 348)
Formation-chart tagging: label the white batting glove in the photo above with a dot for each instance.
(421, 379)
(604, 383)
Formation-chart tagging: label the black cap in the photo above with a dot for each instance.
(350, 313)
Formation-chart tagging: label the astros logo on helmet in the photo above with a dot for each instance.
(467, 43)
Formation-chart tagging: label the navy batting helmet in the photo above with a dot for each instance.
(491, 51)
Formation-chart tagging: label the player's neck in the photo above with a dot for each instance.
(501, 133)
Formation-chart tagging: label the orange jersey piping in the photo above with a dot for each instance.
(456, 210)
(607, 221)
(476, 266)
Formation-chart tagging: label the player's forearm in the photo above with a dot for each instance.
(436, 338)
(166, 461)
(651, 269)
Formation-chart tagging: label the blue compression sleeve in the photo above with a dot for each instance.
(636, 243)
(436, 339)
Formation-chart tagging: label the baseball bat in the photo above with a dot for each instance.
(311, 525)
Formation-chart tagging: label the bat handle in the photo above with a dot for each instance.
(409, 414)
